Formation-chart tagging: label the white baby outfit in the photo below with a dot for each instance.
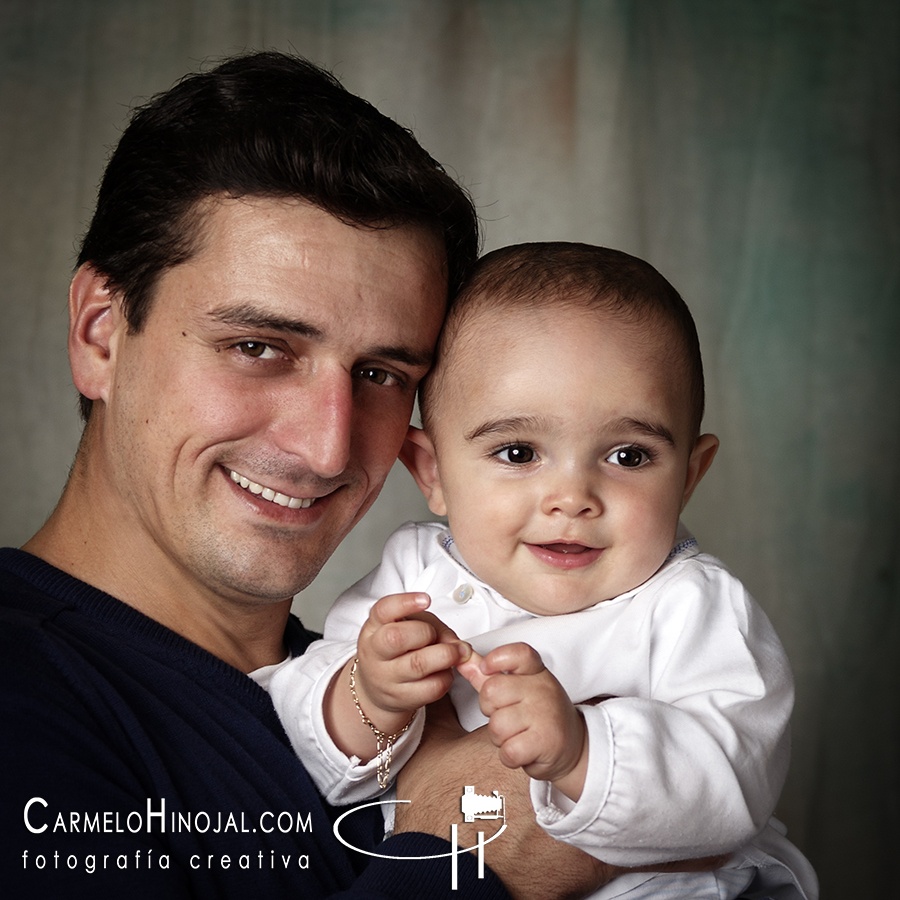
(688, 750)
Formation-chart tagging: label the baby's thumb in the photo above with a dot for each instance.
(471, 670)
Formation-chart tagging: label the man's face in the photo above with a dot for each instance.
(564, 453)
(252, 421)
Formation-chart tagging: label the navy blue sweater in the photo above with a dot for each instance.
(108, 719)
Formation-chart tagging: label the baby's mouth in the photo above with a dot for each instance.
(565, 548)
(267, 493)
(566, 555)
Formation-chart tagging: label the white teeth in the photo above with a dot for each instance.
(269, 494)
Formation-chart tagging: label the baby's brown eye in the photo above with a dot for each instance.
(517, 453)
(629, 457)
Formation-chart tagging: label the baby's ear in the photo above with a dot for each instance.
(417, 454)
(701, 458)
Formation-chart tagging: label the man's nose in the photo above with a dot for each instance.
(572, 494)
(315, 421)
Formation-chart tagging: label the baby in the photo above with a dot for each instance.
(630, 676)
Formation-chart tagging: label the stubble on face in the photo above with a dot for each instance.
(187, 408)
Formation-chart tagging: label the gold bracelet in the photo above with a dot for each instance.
(384, 743)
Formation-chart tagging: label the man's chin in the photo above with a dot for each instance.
(264, 577)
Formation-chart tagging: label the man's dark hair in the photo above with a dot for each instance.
(263, 124)
(573, 275)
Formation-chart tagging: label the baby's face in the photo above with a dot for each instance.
(564, 454)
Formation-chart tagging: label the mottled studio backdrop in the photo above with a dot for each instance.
(748, 148)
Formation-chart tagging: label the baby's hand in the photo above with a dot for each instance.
(406, 659)
(532, 721)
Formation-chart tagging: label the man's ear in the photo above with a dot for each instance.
(418, 455)
(95, 318)
(700, 460)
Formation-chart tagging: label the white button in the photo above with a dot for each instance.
(463, 594)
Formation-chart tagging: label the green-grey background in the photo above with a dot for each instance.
(748, 148)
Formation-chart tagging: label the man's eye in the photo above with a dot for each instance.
(516, 454)
(378, 376)
(629, 457)
(256, 349)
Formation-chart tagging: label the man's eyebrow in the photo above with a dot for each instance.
(508, 425)
(247, 316)
(650, 429)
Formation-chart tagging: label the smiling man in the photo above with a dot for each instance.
(238, 436)
(256, 299)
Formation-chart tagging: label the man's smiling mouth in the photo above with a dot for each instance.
(269, 494)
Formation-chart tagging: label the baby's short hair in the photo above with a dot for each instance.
(573, 275)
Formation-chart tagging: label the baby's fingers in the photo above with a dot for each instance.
(397, 606)
(470, 669)
(433, 659)
(392, 641)
(444, 634)
(394, 627)
(510, 659)
(515, 747)
(513, 659)
(424, 675)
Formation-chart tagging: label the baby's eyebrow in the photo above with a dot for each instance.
(509, 425)
(650, 429)
(543, 424)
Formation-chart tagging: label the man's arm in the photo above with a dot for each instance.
(532, 865)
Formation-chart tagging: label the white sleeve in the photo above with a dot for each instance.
(298, 693)
(696, 768)
(298, 688)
